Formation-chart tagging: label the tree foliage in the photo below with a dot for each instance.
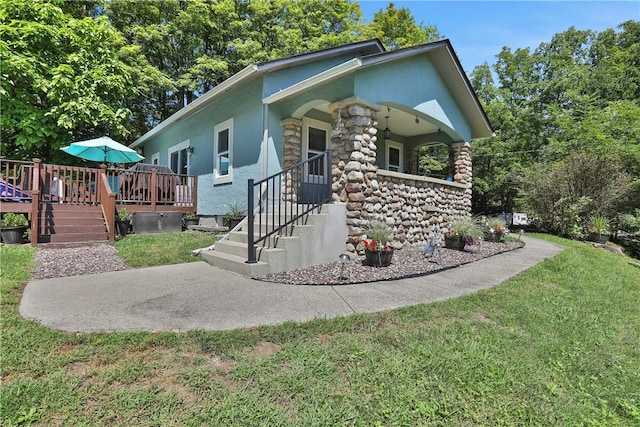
(397, 28)
(575, 97)
(63, 78)
(75, 70)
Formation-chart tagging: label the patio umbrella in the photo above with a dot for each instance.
(103, 149)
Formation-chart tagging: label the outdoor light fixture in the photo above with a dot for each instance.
(417, 120)
(387, 131)
(344, 258)
(189, 150)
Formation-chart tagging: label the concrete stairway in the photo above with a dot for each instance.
(62, 223)
(319, 240)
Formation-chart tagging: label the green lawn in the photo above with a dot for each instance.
(148, 250)
(557, 345)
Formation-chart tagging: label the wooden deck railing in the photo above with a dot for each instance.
(24, 186)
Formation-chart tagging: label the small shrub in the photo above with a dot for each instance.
(11, 219)
(598, 224)
(379, 232)
(124, 215)
(465, 228)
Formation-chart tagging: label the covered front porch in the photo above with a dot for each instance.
(39, 189)
(376, 169)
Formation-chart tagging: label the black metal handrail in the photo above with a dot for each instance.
(286, 198)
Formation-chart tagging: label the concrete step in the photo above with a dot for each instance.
(233, 248)
(235, 263)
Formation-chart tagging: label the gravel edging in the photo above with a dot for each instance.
(407, 262)
(76, 261)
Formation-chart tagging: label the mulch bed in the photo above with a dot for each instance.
(409, 261)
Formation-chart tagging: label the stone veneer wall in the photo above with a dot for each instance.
(416, 207)
(292, 144)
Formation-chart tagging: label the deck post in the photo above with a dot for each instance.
(154, 188)
(35, 202)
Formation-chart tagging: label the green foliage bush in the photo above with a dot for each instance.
(11, 219)
(565, 196)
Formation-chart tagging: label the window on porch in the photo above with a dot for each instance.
(394, 157)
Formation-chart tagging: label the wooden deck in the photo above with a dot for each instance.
(28, 187)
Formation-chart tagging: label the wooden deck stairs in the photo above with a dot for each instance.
(64, 223)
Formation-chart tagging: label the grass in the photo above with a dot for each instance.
(148, 250)
(557, 345)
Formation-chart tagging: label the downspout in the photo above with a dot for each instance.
(265, 140)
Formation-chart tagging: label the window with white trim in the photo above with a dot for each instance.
(394, 156)
(223, 152)
(179, 157)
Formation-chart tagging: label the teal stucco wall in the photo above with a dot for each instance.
(245, 107)
(413, 82)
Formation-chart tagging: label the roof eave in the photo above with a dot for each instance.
(200, 103)
(314, 81)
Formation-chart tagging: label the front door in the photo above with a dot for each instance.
(315, 140)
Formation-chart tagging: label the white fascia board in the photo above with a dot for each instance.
(199, 103)
(311, 82)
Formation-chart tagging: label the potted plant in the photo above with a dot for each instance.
(123, 221)
(13, 228)
(598, 229)
(462, 232)
(494, 229)
(377, 247)
(234, 216)
(189, 220)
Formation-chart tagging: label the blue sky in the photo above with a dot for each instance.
(479, 29)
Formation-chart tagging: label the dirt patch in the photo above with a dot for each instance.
(265, 348)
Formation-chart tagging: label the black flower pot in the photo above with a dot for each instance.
(598, 238)
(378, 259)
(122, 227)
(191, 222)
(454, 243)
(493, 237)
(13, 235)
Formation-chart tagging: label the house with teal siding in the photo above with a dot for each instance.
(335, 134)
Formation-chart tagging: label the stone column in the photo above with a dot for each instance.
(292, 146)
(463, 172)
(354, 177)
(462, 163)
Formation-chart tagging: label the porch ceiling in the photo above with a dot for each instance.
(400, 122)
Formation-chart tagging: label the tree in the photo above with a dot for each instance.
(63, 78)
(397, 28)
(577, 94)
(198, 44)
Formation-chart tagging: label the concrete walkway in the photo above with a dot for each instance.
(198, 296)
